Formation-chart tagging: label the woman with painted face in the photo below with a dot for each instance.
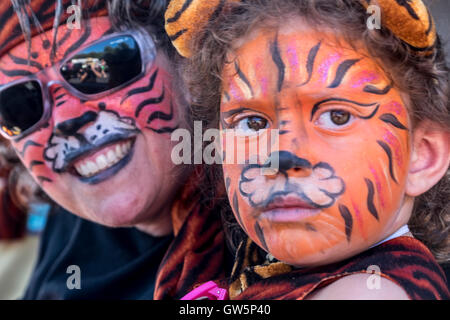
(98, 143)
(362, 155)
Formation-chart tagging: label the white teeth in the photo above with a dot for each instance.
(111, 156)
(92, 167)
(84, 170)
(119, 151)
(104, 160)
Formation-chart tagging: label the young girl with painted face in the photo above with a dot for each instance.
(363, 121)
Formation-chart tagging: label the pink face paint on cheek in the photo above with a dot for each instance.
(364, 77)
(395, 144)
(394, 107)
(262, 80)
(325, 66)
(359, 220)
(235, 92)
(264, 83)
(293, 58)
(378, 186)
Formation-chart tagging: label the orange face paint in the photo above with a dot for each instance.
(343, 146)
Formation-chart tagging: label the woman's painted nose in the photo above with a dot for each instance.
(72, 126)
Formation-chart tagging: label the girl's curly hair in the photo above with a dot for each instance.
(424, 78)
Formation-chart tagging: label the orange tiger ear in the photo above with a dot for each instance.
(185, 18)
(409, 20)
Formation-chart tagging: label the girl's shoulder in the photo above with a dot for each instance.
(361, 286)
(401, 268)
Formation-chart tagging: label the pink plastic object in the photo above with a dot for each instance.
(207, 291)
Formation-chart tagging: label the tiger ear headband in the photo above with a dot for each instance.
(409, 20)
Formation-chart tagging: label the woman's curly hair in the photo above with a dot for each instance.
(425, 79)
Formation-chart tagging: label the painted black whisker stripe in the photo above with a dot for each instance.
(375, 90)
(149, 102)
(86, 34)
(310, 62)
(227, 182)
(35, 163)
(348, 219)
(276, 57)
(372, 114)
(25, 62)
(107, 32)
(6, 15)
(227, 96)
(56, 90)
(310, 227)
(16, 73)
(342, 71)
(56, 21)
(370, 195)
(60, 96)
(392, 119)
(60, 103)
(42, 179)
(28, 144)
(244, 79)
(65, 37)
(236, 209)
(388, 151)
(164, 129)
(318, 104)
(161, 115)
(139, 90)
(260, 235)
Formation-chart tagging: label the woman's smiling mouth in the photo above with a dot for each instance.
(104, 163)
(103, 159)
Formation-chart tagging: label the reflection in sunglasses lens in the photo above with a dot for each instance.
(21, 107)
(104, 66)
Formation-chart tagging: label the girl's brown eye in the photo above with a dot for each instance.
(256, 123)
(339, 117)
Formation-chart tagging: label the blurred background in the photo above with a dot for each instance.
(441, 13)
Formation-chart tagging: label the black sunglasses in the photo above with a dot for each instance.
(93, 71)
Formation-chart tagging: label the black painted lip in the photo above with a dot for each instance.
(112, 171)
